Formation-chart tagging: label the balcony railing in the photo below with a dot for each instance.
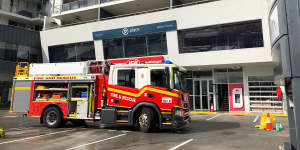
(128, 14)
(26, 13)
(77, 4)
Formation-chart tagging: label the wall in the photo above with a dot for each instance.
(219, 12)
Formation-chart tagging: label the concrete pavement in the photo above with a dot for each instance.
(208, 131)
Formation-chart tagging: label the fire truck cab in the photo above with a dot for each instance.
(147, 96)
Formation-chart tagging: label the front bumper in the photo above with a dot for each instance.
(180, 122)
(175, 122)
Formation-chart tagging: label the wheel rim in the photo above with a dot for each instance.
(51, 118)
(143, 120)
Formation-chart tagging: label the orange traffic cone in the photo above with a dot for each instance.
(269, 125)
(212, 107)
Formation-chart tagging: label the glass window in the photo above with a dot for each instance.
(10, 52)
(220, 76)
(159, 77)
(235, 75)
(72, 52)
(113, 48)
(85, 51)
(221, 37)
(135, 47)
(23, 53)
(157, 44)
(126, 78)
(35, 55)
(177, 79)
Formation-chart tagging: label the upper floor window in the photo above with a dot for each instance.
(126, 77)
(135, 46)
(221, 37)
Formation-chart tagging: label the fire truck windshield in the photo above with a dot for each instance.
(176, 79)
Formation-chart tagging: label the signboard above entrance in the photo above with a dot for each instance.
(135, 30)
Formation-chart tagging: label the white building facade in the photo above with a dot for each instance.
(223, 44)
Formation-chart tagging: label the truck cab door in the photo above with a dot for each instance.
(142, 77)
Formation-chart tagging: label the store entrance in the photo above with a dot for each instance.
(203, 94)
(222, 97)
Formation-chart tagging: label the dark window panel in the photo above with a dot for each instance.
(135, 46)
(221, 37)
(72, 52)
(156, 78)
(113, 48)
(85, 51)
(157, 44)
(126, 78)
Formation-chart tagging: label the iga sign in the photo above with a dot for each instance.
(135, 30)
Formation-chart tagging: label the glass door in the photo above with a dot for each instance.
(203, 94)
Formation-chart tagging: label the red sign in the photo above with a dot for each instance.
(140, 60)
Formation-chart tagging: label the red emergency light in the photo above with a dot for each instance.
(139, 60)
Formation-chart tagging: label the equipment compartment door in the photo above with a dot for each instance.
(21, 96)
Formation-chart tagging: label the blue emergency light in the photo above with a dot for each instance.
(167, 62)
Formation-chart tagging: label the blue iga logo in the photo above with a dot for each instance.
(125, 31)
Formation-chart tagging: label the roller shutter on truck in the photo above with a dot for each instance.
(21, 96)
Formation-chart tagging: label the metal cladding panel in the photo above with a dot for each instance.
(21, 97)
(72, 68)
(284, 22)
(281, 58)
(279, 40)
(293, 19)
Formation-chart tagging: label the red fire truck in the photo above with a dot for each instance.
(143, 92)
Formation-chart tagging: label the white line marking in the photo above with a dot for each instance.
(29, 138)
(256, 118)
(96, 142)
(188, 141)
(21, 128)
(213, 117)
(8, 116)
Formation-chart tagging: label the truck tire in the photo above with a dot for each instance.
(146, 120)
(53, 117)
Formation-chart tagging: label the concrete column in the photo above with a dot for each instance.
(171, 4)
(45, 53)
(172, 45)
(99, 51)
(99, 14)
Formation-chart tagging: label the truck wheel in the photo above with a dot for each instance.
(146, 120)
(52, 117)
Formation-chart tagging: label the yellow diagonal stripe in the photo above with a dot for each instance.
(22, 88)
(142, 91)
